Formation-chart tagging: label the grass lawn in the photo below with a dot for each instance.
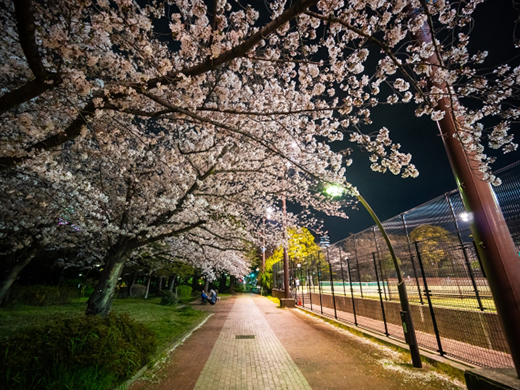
(167, 322)
(273, 299)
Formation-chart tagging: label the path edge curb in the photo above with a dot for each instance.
(166, 352)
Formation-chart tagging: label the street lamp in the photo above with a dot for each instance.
(333, 190)
(406, 318)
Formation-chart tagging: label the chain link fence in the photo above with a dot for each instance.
(354, 280)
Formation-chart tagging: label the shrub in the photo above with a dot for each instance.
(168, 298)
(40, 295)
(137, 290)
(115, 346)
(184, 291)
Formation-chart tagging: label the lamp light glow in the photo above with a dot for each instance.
(334, 190)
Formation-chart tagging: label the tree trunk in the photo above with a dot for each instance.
(171, 283)
(195, 282)
(222, 284)
(159, 283)
(10, 276)
(206, 284)
(148, 284)
(100, 302)
(131, 286)
(232, 284)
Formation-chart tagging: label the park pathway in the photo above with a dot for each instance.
(250, 344)
(248, 355)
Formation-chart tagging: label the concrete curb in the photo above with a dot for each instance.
(166, 352)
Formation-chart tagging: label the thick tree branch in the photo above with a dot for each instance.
(44, 80)
(69, 134)
(27, 92)
(239, 50)
(161, 219)
(25, 22)
(136, 243)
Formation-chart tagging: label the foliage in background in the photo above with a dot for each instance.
(34, 358)
(184, 292)
(168, 298)
(434, 242)
(40, 295)
(301, 245)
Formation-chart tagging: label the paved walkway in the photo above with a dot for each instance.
(261, 362)
(290, 350)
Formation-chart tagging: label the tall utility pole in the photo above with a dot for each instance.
(263, 245)
(493, 240)
(287, 292)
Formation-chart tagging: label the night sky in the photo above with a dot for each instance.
(390, 195)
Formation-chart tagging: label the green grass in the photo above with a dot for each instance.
(167, 322)
(273, 299)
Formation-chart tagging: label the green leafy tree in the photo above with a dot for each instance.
(434, 245)
(301, 246)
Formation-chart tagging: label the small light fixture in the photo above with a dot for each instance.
(465, 216)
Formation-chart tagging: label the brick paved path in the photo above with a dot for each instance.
(291, 350)
(249, 363)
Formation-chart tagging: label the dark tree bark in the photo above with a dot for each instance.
(232, 284)
(69, 134)
(222, 284)
(171, 283)
(131, 286)
(159, 283)
(195, 281)
(11, 275)
(44, 80)
(101, 299)
(148, 284)
(27, 92)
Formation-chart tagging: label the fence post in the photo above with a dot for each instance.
(380, 294)
(308, 289)
(301, 283)
(351, 291)
(318, 269)
(403, 218)
(357, 263)
(466, 259)
(332, 286)
(342, 276)
(427, 293)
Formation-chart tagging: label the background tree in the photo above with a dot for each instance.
(435, 244)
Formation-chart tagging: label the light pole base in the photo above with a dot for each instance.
(287, 302)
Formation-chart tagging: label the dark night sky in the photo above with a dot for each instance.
(390, 195)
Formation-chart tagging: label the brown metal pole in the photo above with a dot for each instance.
(492, 237)
(287, 292)
(263, 247)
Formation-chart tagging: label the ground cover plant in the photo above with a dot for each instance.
(61, 348)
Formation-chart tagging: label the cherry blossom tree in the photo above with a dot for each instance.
(178, 120)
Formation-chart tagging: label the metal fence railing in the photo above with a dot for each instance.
(451, 304)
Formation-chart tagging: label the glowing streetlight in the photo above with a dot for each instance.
(334, 190)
